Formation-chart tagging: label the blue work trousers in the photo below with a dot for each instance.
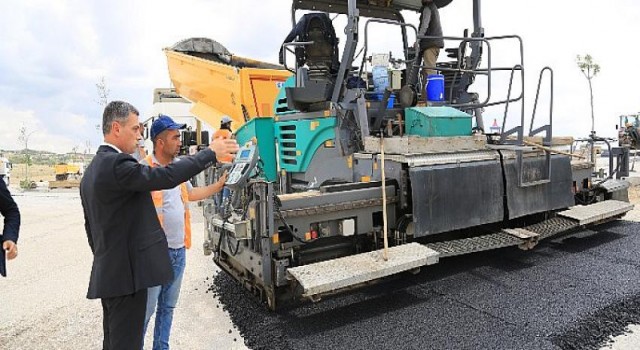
(163, 299)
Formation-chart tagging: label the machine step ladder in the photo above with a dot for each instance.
(333, 275)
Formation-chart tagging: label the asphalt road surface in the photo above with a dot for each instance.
(572, 292)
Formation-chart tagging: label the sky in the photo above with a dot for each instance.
(52, 54)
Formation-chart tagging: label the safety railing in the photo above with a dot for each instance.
(286, 48)
(459, 70)
(504, 135)
(519, 141)
(365, 45)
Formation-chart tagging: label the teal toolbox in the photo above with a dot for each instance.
(437, 121)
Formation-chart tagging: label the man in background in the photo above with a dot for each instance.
(224, 132)
(430, 26)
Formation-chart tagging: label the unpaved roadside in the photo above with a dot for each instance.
(43, 298)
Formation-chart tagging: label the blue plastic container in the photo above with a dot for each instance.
(380, 76)
(392, 98)
(435, 87)
(378, 97)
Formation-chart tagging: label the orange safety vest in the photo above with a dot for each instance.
(223, 134)
(184, 194)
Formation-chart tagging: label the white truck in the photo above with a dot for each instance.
(5, 170)
(167, 102)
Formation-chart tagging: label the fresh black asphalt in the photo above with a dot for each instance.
(570, 292)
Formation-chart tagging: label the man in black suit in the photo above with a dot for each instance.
(128, 244)
(9, 236)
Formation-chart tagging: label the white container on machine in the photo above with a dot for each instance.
(380, 78)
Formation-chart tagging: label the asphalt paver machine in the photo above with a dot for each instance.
(343, 186)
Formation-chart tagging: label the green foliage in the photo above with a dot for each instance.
(590, 69)
(32, 157)
(27, 184)
(587, 66)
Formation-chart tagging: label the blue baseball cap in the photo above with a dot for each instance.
(163, 123)
(225, 119)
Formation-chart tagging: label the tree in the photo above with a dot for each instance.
(590, 69)
(103, 95)
(74, 150)
(87, 149)
(23, 138)
(103, 92)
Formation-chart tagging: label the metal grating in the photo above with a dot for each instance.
(475, 244)
(552, 227)
(566, 221)
(287, 142)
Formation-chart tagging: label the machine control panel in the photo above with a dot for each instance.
(243, 166)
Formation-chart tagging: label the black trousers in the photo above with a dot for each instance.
(123, 321)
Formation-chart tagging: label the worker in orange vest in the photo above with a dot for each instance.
(172, 207)
(224, 133)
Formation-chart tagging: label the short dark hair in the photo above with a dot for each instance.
(226, 126)
(116, 111)
(161, 135)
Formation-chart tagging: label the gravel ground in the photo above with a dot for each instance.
(569, 293)
(43, 298)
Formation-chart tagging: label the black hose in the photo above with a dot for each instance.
(277, 204)
(232, 250)
(226, 214)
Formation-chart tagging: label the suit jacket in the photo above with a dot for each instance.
(128, 244)
(9, 210)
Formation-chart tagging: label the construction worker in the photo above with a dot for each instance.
(430, 26)
(172, 207)
(224, 133)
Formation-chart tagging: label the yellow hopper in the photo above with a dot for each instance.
(219, 83)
